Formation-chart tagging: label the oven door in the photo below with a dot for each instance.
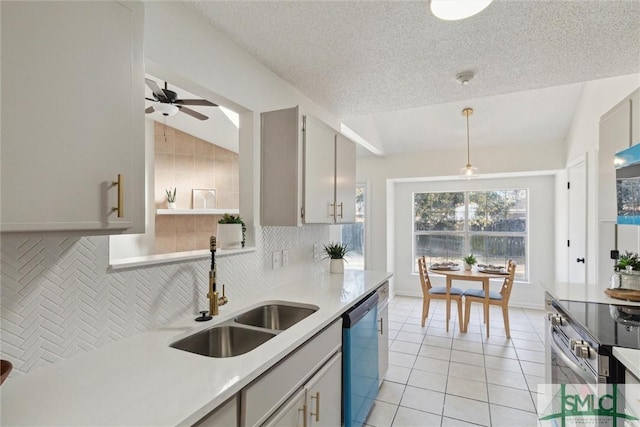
(565, 369)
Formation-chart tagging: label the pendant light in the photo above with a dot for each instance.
(468, 171)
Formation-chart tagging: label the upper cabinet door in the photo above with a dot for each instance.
(281, 167)
(618, 130)
(72, 116)
(319, 161)
(345, 180)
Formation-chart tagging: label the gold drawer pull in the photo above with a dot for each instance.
(120, 184)
(317, 413)
(304, 415)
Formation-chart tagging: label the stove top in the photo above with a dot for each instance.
(610, 324)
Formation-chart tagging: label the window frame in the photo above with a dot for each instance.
(466, 231)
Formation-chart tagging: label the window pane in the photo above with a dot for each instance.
(439, 211)
(502, 211)
(498, 250)
(353, 234)
(439, 247)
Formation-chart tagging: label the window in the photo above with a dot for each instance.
(492, 225)
(353, 234)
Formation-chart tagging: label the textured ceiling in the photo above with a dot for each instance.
(367, 58)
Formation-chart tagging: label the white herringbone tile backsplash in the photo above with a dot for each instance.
(59, 298)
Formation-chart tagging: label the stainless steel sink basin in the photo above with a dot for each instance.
(223, 341)
(274, 316)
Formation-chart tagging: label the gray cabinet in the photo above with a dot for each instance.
(383, 331)
(226, 415)
(619, 129)
(72, 116)
(307, 171)
(317, 403)
(274, 398)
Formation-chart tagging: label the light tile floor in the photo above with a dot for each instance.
(445, 379)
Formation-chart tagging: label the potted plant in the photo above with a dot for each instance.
(171, 198)
(626, 260)
(627, 271)
(231, 232)
(336, 252)
(469, 261)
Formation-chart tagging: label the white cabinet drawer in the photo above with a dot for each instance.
(267, 393)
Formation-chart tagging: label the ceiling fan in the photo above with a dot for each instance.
(169, 104)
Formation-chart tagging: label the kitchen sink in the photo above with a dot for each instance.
(223, 341)
(246, 331)
(275, 316)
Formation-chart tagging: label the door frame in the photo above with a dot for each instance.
(583, 158)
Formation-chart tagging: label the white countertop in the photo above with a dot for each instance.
(142, 381)
(630, 358)
(582, 292)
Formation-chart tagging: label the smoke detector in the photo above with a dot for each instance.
(464, 77)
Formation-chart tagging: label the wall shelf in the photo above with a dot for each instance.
(197, 211)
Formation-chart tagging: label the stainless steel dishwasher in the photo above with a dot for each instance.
(359, 361)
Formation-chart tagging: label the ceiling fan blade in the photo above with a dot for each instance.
(192, 113)
(155, 89)
(149, 110)
(151, 99)
(201, 102)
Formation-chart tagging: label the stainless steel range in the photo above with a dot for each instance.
(580, 339)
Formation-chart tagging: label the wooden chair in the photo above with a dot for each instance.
(495, 298)
(429, 293)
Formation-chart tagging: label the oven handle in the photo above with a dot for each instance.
(570, 363)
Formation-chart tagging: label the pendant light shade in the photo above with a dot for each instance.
(468, 171)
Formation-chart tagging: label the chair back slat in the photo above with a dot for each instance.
(425, 283)
(505, 291)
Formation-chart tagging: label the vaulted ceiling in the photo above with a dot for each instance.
(388, 68)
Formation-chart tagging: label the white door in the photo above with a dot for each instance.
(577, 239)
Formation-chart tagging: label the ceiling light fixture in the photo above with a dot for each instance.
(165, 109)
(454, 10)
(468, 171)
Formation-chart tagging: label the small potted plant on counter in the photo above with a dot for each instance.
(171, 198)
(231, 232)
(336, 252)
(469, 261)
(627, 271)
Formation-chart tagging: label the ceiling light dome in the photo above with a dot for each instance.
(453, 10)
(165, 109)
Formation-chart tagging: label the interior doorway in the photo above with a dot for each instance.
(577, 238)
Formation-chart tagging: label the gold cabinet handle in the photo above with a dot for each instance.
(317, 413)
(120, 184)
(304, 415)
(381, 329)
(333, 207)
(341, 210)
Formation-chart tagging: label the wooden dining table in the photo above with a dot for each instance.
(469, 276)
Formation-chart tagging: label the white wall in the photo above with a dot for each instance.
(541, 231)
(598, 97)
(377, 171)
